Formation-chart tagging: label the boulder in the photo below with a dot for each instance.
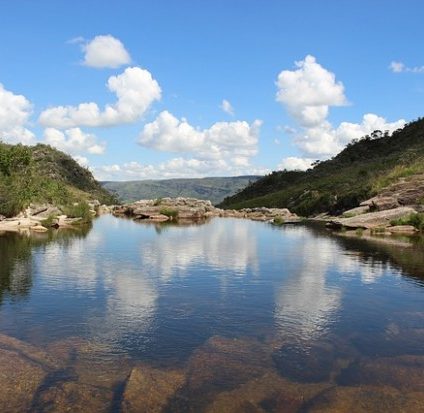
(148, 390)
(268, 393)
(403, 372)
(23, 370)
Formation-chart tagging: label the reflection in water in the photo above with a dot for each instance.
(230, 300)
(215, 245)
(306, 303)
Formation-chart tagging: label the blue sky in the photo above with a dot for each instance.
(174, 62)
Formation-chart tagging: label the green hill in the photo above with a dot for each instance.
(360, 171)
(43, 174)
(213, 189)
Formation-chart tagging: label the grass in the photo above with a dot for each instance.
(41, 174)
(416, 220)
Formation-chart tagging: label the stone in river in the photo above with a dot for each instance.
(24, 368)
(366, 399)
(148, 390)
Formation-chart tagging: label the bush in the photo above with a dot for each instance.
(169, 212)
(416, 220)
(79, 210)
(278, 221)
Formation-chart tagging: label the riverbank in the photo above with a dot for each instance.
(40, 217)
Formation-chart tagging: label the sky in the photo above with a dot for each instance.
(155, 89)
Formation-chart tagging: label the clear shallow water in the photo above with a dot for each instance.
(318, 305)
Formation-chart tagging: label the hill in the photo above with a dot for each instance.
(42, 174)
(213, 189)
(365, 168)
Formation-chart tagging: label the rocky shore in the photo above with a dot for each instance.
(183, 209)
(386, 213)
(41, 217)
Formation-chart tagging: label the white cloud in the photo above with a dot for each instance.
(15, 111)
(174, 168)
(135, 89)
(307, 93)
(235, 141)
(324, 140)
(74, 141)
(105, 51)
(227, 107)
(399, 67)
(293, 163)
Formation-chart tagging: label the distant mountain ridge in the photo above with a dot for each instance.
(365, 168)
(214, 189)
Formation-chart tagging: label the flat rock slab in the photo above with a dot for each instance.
(373, 219)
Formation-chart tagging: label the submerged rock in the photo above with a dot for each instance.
(365, 399)
(72, 396)
(269, 393)
(403, 372)
(221, 364)
(24, 368)
(148, 390)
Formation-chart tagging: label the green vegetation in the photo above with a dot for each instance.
(78, 210)
(278, 221)
(416, 220)
(357, 173)
(169, 212)
(213, 189)
(41, 174)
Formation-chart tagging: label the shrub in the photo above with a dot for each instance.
(278, 221)
(79, 210)
(416, 220)
(169, 212)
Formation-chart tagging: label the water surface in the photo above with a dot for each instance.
(304, 305)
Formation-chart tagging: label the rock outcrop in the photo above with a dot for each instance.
(184, 209)
(372, 219)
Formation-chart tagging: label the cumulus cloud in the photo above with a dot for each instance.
(399, 67)
(15, 111)
(74, 141)
(324, 139)
(236, 141)
(105, 51)
(173, 168)
(227, 107)
(307, 93)
(135, 89)
(293, 163)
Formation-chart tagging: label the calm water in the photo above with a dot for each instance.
(319, 305)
